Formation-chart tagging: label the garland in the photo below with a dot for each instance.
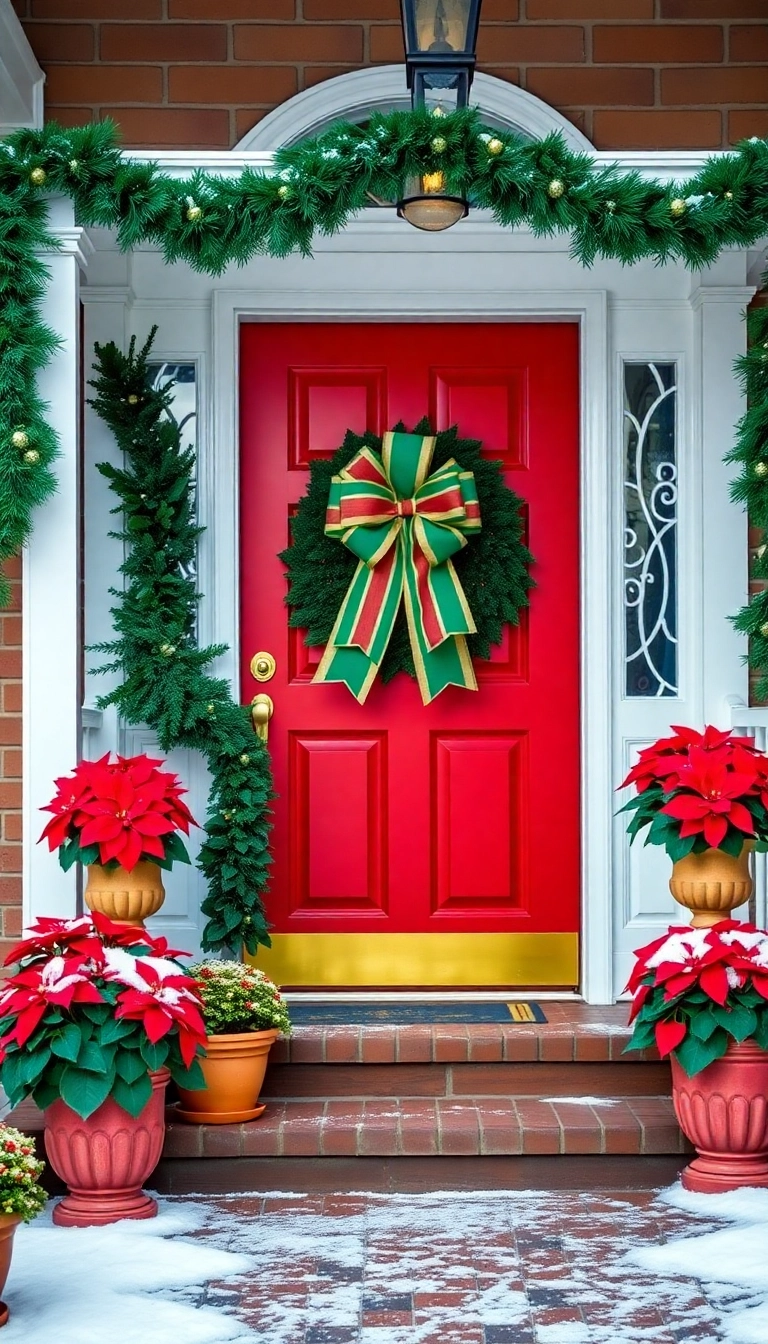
(166, 683)
(493, 570)
(751, 486)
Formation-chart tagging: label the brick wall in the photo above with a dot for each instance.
(10, 762)
(199, 73)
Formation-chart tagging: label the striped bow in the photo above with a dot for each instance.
(403, 525)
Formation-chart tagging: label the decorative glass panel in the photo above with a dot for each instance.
(650, 526)
(184, 412)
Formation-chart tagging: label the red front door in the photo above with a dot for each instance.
(413, 844)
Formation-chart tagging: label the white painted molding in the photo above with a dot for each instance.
(21, 79)
(381, 88)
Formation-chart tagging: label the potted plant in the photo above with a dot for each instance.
(121, 819)
(704, 796)
(93, 1023)
(244, 1012)
(700, 995)
(21, 1195)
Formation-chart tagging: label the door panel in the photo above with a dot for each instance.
(460, 818)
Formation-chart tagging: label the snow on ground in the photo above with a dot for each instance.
(541, 1267)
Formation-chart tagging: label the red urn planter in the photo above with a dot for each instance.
(724, 1112)
(106, 1159)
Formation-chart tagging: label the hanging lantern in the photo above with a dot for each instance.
(426, 204)
(440, 39)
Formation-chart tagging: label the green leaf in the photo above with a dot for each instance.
(83, 1091)
(129, 1065)
(33, 1062)
(678, 848)
(733, 843)
(116, 1029)
(739, 1020)
(12, 1077)
(67, 1044)
(154, 1055)
(703, 1025)
(191, 1078)
(695, 1055)
(133, 1096)
(95, 1058)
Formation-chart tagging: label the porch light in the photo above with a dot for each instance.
(440, 38)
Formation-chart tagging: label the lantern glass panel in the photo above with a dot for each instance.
(442, 26)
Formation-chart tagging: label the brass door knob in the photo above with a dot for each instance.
(263, 666)
(262, 709)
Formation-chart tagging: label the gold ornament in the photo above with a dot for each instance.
(227, 816)
(556, 188)
(761, 468)
(728, 195)
(495, 146)
(194, 212)
(20, 439)
(610, 207)
(284, 192)
(245, 759)
(32, 457)
(764, 630)
(438, 112)
(677, 207)
(133, 400)
(211, 708)
(74, 164)
(167, 650)
(37, 177)
(439, 144)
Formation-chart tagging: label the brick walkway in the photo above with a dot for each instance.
(452, 1269)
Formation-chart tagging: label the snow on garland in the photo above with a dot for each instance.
(166, 682)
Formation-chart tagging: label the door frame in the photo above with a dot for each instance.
(219, 513)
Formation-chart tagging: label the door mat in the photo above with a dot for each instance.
(408, 1014)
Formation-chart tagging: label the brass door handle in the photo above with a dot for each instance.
(262, 709)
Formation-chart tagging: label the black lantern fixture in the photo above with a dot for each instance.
(440, 39)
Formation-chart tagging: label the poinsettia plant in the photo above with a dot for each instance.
(118, 812)
(697, 791)
(93, 1007)
(694, 990)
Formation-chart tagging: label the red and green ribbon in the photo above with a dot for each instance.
(404, 525)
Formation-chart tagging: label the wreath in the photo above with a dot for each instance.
(493, 569)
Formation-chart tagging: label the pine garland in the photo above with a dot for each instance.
(165, 679)
(751, 486)
(493, 568)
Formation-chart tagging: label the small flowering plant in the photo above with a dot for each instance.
(238, 998)
(118, 812)
(694, 990)
(20, 1190)
(92, 1009)
(697, 791)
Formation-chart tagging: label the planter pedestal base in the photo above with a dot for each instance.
(98, 1209)
(714, 1173)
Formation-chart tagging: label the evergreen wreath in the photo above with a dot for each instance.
(492, 570)
(166, 682)
(750, 488)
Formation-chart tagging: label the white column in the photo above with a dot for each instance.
(50, 614)
(719, 338)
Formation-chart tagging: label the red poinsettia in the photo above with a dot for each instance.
(118, 812)
(700, 790)
(164, 1002)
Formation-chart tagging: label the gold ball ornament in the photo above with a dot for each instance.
(193, 212)
(761, 469)
(610, 207)
(20, 438)
(133, 400)
(167, 650)
(284, 192)
(211, 708)
(439, 144)
(37, 177)
(245, 759)
(764, 630)
(556, 189)
(74, 164)
(677, 207)
(438, 112)
(495, 146)
(728, 195)
(32, 457)
(227, 816)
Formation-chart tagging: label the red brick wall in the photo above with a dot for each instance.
(194, 73)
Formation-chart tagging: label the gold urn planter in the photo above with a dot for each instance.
(712, 884)
(125, 897)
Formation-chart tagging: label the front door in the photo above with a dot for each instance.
(419, 845)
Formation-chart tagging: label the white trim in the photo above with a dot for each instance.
(21, 79)
(380, 88)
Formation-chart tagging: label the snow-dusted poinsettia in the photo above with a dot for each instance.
(92, 1009)
(695, 990)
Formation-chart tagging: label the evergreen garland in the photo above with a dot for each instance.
(751, 486)
(165, 679)
(492, 569)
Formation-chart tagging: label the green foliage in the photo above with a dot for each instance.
(166, 678)
(238, 998)
(493, 568)
(709, 1025)
(750, 488)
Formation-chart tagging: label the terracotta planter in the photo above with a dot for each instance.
(126, 897)
(106, 1159)
(8, 1224)
(724, 1112)
(234, 1070)
(711, 884)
